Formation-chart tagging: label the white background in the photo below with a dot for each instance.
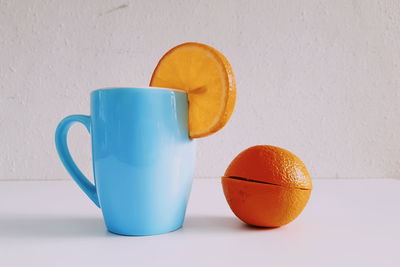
(319, 78)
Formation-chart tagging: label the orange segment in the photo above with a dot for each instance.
(206, 75)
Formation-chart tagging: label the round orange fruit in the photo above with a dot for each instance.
(267, 186)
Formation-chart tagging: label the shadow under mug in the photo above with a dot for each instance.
(143, 158)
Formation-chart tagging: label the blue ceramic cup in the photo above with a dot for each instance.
(143, 158)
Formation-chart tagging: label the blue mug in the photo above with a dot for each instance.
(143, 158)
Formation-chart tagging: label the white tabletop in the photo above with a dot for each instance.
(346, 223)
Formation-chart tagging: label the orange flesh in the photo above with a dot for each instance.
(206, 75)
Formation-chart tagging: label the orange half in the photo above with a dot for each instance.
(207, 77)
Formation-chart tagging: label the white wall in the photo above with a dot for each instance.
(320, 78)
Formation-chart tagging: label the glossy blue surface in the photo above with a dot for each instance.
(143, 159)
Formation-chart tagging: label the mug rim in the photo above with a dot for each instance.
(136, 88)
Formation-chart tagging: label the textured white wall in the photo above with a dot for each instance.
(320, 78)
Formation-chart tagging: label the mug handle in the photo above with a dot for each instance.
(63, 152)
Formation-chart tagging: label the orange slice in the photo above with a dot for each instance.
(206, 75)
